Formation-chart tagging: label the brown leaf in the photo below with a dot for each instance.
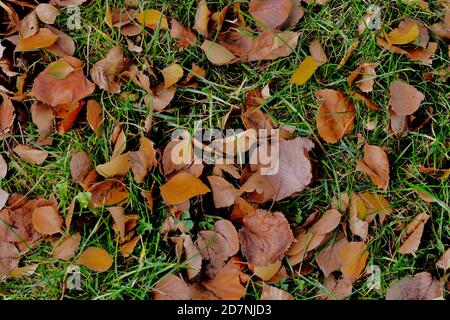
(3, 198)
(364, 76)
(161, 99)
(144, 160)
(105, 72)
(30, 155)
(444, 261)
(96, 259)
(336, 289)
(271, 13)
(43, 117)
(226, 284)
(295, 15)
(108, 192)
(7, 115)
(56, 91)
(182, 187)
(64, 45)
(224, 192)
(9, 258)
(335, 116)
(421, 286)
(357, 217)
(202, 18)
(3, 168)
(172, 74)
(217, 54)
(47, 13)
(270, 45)
(353, 256)
(172, 288)
(29, 26)
(328, 260)
(67, 3)
(118, 166)
(413, 236)
(404, 98)
(376, 165)
(184, 35)
(118, 215)
(127, 248)
(317, 52)
(67, 248)
(80, 166)
(193, 258)
(94, 117)
(265, 237)
(46, 220)
(273, 293)
(44, 38)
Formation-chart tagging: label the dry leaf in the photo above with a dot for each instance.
(54, 90)
(118, 215)
(3, 198)
(182, 187)
(96, 259)
(404, 34)
(44, 38)
(444, 261)
(265, 237)
(217, 54)
(67, 248)
(224, 193)
(64, 45)
(7, 115)
(172, 74)
(108, 192)
(353, 256)
(226, 284)
(9, 258)
(193, 258)
(271, 13)
(80, 166)
(336, 289)
(105, 72)
(3, 168)
(184, 35)
(46, 220)
(47, 13)
(30, 155)
(364, 77)
(336, 115)
(43, 117)
(317, 52)
(28, 26)
(172, 288)
(144, 160)
(375, 164)
(328, 260)
(421, 286)
(94, 115)
(413, 236)
(404, 98)
(127, 248)
(266, 273)
(202, 18)
(118, 166)
(273, 293)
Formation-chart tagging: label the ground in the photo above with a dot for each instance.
(335, 26)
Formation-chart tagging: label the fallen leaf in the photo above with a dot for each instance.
(3, 198)
(224, 193)
(46, 220)
(273, 293)
(317, 52)
(66, 249)
(328, 259)
(161, 99)
(152, 19)
(193, 258)
(413, 236)
(336, 289)
(118, 166)
(9, 258)
(3, 168)
(30, 155)
(217, 54)
(118, 215)
(63, 46)
(24, 271)
(444, 261)
(105, 72)
(375, 164)
(266, 273)
(94, 117)
(265, 237)
(80, 166)
(7, 115)
(404, 98)
(109, 192)
(364, 76)
(172, 288)
(172, 74)
(353, 256)
(304, 71)
(47, 13)
(184, 35)
(348, 54)
(226, 285)
(144, 160)
(43, 117)
(96, 259)
(271, 45)
(44, 38)
(202, 18)
(182, 187)
(271, 13)
(54, 91)
(404, 34)
(421, 286)
(336, 115)
(127, 248)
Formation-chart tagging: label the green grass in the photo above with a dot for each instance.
(335, 25)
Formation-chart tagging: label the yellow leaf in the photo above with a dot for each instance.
(96, 259)
(182, 187)
(118, 166)
(403, 36)
(172, 74)
(304, 71)
(267, 272)
(151, 18)
(43, 39)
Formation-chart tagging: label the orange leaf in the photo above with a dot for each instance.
(46, 220)
(182, 187)
(96, 259)
(43, 39)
